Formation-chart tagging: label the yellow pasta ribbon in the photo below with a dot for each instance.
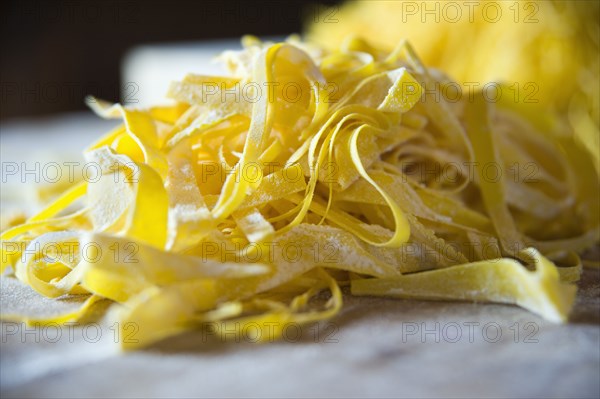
(249, 202)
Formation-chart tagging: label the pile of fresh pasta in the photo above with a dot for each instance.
(260, 197)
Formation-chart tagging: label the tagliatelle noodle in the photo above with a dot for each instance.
(302, 172)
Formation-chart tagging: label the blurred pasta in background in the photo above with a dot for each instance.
(546, 52)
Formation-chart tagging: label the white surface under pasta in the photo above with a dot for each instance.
(376, 347)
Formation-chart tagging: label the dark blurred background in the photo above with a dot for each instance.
(56, 52)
